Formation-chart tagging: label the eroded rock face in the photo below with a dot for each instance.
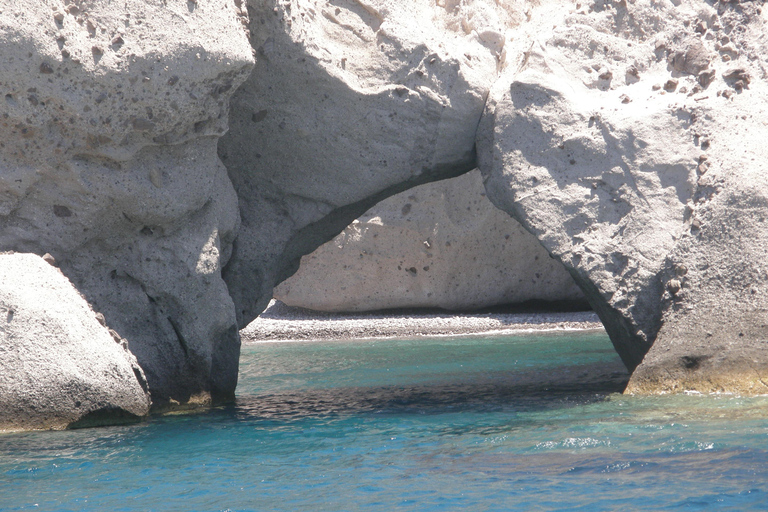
(350, 102)
(109, 122)
(628, 140)
(610, 136)
(60, 366)
(438, 245)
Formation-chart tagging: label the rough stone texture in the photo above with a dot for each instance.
(628, 139)
(60, 366)
(350, 102)
(645, 178)
(109, 119)
(439, 245)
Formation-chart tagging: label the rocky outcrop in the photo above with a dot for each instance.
(628, 140)
(610, 137)
(350, 102)
(110, 117)
(60, 365)
(438, 245)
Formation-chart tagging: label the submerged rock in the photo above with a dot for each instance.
(60, 366)
(439, 245)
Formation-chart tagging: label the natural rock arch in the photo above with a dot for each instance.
(111, 119)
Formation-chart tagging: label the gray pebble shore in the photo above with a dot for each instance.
(283, 323)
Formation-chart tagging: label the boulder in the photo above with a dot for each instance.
(60, 365)
(440, 245)
(628, 138)
(111, 112)
(350, 102)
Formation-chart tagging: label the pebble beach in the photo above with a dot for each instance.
(280, 322)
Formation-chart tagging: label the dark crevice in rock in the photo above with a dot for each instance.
(223, 372)
(140, 377)
(693, 362)
(105, 416)
(179, 336)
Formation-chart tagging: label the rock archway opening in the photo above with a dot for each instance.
(438, 259)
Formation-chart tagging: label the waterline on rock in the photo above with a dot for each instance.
(501, 423)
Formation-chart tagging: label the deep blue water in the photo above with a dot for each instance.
(496, 423)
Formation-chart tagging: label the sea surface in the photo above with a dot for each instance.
(472, 423)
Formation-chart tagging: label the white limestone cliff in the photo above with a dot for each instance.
(626, 136)
(110, 117)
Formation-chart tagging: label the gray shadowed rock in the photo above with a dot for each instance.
(60, 366)
(441, 245)
(350, 102)
(111, 113)
(654, 197)
(628, 137)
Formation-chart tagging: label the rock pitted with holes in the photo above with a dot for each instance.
(629, 140)
(110, 114)
(350, 102)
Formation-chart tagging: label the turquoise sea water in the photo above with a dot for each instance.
(495, 423)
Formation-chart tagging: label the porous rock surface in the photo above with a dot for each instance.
(60, 366)
(350, 102)
(628, 137)
(109, 118)
(441, 245)
(111, 115)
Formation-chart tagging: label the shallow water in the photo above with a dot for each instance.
(496, 423)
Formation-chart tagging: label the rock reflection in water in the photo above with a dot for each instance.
(491, 394)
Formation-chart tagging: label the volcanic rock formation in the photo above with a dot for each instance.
(350, 102)
(626, 136)
(110, 117)
(628, 139)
